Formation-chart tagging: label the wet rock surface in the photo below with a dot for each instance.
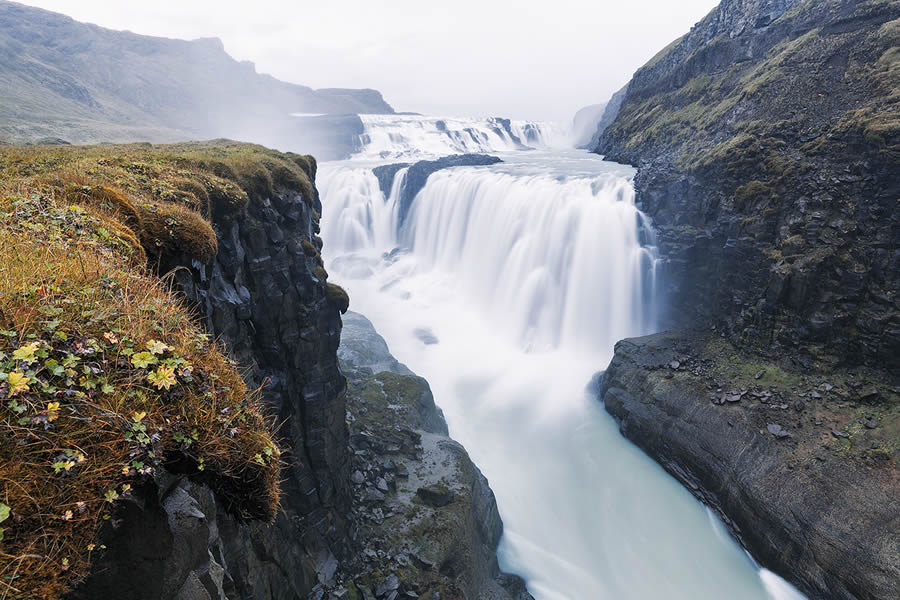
(788, 460)
(419, 172)
(424, 520)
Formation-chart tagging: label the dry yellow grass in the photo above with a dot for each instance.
(105, 377)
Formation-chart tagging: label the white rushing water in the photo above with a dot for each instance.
(527, 273)
(416, 137)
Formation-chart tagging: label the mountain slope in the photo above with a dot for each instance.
(85, 83)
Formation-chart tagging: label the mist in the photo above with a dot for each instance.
(519, 60)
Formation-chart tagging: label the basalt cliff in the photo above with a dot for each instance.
(767, 142)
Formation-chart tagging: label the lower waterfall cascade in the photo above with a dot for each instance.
(507, 287)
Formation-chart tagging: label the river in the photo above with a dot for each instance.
(507, 287)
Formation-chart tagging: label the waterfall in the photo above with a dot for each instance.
(552, 261)
(405, 136)
(524, 275)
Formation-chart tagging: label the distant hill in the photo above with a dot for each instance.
(64, 79)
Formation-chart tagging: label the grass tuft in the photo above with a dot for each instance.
(337, 296)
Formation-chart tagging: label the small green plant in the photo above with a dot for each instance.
(4, 515)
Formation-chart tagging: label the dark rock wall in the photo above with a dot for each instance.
(768, 150)
(418, 175)
(264, 299)
(804, 502)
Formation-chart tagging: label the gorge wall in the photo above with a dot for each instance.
(768, 141)
(265, 298)
(231, 231)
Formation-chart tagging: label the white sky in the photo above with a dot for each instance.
(524, 59)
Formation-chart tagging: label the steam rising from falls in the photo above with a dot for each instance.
(507, 287)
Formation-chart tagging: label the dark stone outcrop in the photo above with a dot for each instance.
(767, 145)
(419, 172)
(425, 521)
(264, 299)
(785, 459)
(503, 128)
(167, 545)
(386, 174)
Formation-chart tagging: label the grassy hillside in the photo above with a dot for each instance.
(820, 68)
(105, 378)
(83, 83)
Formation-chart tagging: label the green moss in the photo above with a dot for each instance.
(402, 388)
(309, 249)
(353, 593)
(337, 296)
(195, 194)
(751, 194)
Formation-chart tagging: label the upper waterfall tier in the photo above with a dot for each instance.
(551, 249)
(415, 136)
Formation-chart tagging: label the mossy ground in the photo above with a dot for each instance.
(105, 377)
(166, 194)
(840, 399)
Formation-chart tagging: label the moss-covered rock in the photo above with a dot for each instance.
(337, 296)
(161, 436)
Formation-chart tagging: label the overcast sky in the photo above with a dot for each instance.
(523, 59)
